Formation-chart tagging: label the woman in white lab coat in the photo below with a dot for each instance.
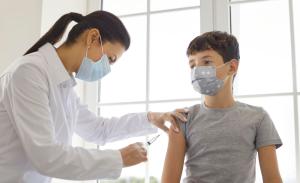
(39, 110)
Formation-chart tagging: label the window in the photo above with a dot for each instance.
(266, 77)
(296, 11)
(154, 73)
(267, 50)
(158, 52)
(158, 56)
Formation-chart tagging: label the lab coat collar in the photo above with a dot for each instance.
(56, 67)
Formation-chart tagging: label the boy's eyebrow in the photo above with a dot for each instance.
(191, 60)
(205, 56)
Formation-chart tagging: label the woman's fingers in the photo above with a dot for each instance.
(133, 154)
(180, 116)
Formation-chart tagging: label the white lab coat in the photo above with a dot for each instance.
(39, 112)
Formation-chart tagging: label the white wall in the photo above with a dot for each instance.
(23, 22)
(20, 25)
(53, 9)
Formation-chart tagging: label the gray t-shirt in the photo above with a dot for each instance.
(222, 143)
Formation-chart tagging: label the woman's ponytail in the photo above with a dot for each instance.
(56, 31)
(110, 27)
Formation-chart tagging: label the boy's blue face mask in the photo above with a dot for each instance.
(93, 71)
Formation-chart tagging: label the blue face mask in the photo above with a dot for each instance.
(93, 71)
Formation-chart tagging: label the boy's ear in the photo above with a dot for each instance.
(234, 64)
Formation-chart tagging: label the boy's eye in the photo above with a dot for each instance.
(192, 66)
(207, 62)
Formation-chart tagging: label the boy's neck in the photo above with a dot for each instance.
(223, 99)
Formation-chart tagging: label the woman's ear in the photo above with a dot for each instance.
(92, 36)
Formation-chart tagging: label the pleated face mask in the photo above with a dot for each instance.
(205, 81)
(93, 71)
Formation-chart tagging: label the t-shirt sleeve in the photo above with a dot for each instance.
(266, 133)
(184, 125)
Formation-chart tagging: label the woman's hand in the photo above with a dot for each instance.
(160, 119)
(133, 154)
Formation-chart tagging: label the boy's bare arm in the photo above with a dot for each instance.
(174, 158)
(268, 164)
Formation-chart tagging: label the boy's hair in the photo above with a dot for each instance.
(223, 43)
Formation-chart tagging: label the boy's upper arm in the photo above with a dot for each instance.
(266, 133)
(267, 140)
(178, 139)
(174, 157)
(268, 164)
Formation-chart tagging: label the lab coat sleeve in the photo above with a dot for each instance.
(101, 130)
(27, 95)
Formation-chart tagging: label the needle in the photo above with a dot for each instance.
(153, 139)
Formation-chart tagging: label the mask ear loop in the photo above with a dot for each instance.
(220, 66)
(86, 52)
(101, 43)
(227, 63)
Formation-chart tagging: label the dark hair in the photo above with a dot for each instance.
(223, 43)
(110, 27)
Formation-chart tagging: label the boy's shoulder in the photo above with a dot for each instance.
(194, 108)
(251, 112)
(240, 107)
(250, 108)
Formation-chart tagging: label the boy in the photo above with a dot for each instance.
(222, 135)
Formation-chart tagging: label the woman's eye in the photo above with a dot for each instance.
(111, 61)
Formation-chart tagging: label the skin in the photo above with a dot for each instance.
(177, 146)
(89, 43)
